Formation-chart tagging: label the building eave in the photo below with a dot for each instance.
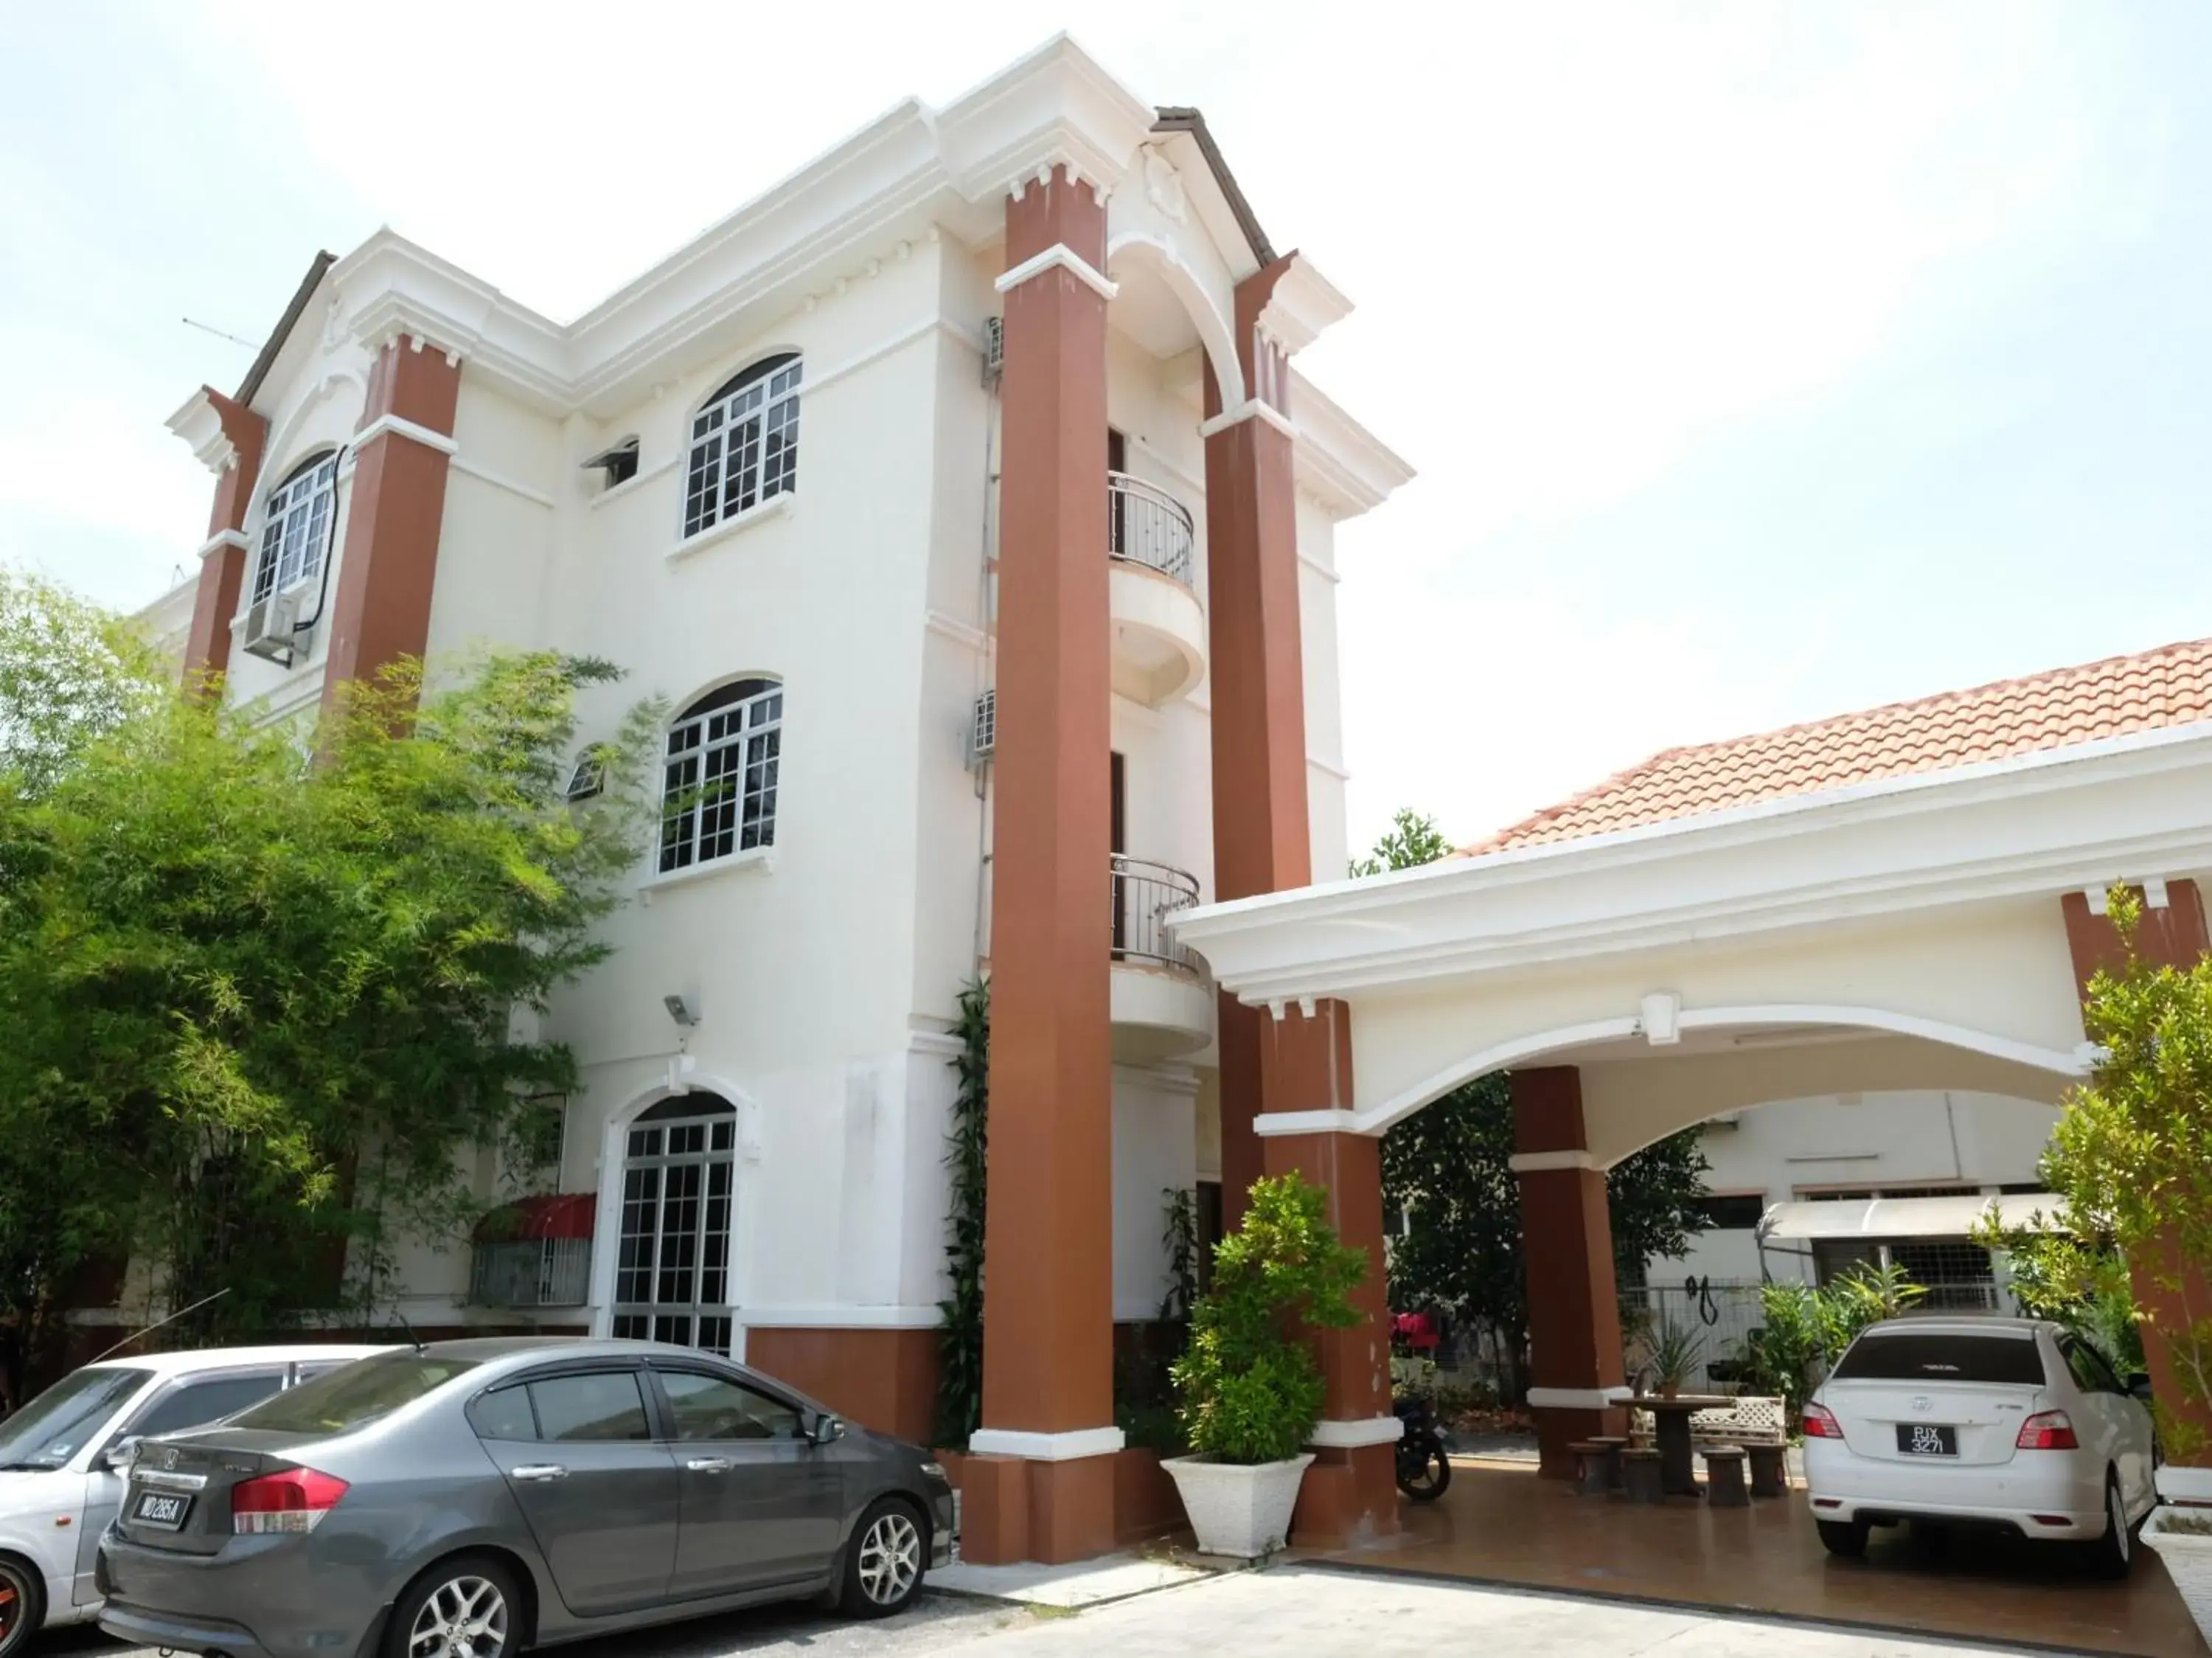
(250, 386)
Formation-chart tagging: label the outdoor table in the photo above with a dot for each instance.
(1670, 1420)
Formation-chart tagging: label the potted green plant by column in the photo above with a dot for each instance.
(1249, 1392)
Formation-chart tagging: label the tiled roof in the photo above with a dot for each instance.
(2171, 686)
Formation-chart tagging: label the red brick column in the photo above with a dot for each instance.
(389, 563)
(1262, 843)
(2170, 935)
(1040, 1486)
(1574, 1315)
(223, 559)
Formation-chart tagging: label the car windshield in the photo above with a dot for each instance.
(1939, 1355)
(348, 1398)
(55, 1426)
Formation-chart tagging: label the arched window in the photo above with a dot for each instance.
(718, 781)
(679, 1175)
(745, 444)
(295, 526)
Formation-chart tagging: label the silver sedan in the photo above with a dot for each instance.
(471, 1499)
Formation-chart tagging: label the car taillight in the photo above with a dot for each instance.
(293, 1501)
(2048, 1430)
(1820, 1422)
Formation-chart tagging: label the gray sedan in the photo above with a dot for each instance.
(469, 1499)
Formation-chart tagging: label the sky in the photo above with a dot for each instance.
(1760, 362)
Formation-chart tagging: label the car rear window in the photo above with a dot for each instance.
(359, 1393)
(1935, 1356)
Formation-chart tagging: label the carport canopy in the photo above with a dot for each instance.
(1815, 1219)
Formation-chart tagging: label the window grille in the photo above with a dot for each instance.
(745, 444)
(718, 778)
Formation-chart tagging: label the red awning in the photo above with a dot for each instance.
(564, 1214)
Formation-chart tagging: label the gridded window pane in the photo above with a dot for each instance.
(679, 1184)
(295, 532)
(745, 445)
(719, 782)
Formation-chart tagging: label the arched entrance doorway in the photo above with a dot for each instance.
(672, 1268)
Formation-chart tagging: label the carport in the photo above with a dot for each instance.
(1908, 898)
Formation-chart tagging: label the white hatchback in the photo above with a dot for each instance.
(2009, 1422)
(63, 1459)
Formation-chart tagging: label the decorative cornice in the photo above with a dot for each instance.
(223, 538)
(200, 424)
(484, 475)
(1541, 1163)
(1045, 1447)
(1060, 256)
(398, 426)
(1302, 303)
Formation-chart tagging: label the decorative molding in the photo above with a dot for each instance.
(754, 860)
(961, 632)
(840, 1318)
(1357, 1431)
(776, 506)
(635, 482)
(1059, 256)
(196, 421)
(223, 538)
(1324, 571)
(400, 427)
(1541, 1163)
(1250, 408)
(1329, 767)
(1302, 303)
(484, 475)
(1045, 1447)
(1271, 1123)
(940, 1043)
(1660, 1014)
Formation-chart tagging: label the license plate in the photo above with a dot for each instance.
(1927, 1439)
(161, 1510)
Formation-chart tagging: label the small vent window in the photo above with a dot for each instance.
(617, 465)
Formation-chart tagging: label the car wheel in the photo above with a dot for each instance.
(885, 1561)
(2112, 1554)
(1847, 1538)
(465, 1608)
(22, 1605)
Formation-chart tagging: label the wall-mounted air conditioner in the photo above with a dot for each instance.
(272, 628)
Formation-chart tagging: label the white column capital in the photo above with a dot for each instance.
(1533, 1162)
(1045, 1447)
(1059, 256)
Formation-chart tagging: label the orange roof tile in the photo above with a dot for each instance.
(2170, 685)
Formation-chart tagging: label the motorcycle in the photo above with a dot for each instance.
(1423, 1469)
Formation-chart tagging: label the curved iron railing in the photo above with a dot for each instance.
(1145, 895)
(1147, 525)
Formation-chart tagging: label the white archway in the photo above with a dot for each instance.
(1214, 332)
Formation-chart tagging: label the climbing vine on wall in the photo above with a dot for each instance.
(960, 1354)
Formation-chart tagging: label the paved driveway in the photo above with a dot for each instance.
(1287, 1612)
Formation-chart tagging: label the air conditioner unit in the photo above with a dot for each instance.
(272, 626)
(983, 728)
(994, 349)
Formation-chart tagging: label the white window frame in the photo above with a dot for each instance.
(680, 1240)
(720, 771)
(298, 521)
(757, 413)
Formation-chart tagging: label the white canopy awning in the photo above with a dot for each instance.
(1906, 1217)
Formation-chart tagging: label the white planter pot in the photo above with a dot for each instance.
(2188, 1558)
(1241, 1510)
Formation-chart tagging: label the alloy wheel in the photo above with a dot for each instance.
(15, 1609)
(465, 1618)
(891, 1558)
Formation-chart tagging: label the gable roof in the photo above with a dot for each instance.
(2169, 687)
(250, 388)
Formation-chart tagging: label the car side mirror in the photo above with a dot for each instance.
(827, 1430)
(119, 1457)
(2139, 1385)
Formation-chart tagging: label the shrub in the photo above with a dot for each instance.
(1249, 1392)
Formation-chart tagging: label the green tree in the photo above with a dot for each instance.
(1251, 1392)
(2131, 1163)
(261, 994)
(1445, 1169)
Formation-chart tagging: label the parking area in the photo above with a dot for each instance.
(1499, 1523)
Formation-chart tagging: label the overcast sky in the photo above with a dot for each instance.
(1761, 360)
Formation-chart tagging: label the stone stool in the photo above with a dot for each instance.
(1640, 1473)
(1766, 1475)
(1724, 1486)
(1596, 1463)
(1614, 1445)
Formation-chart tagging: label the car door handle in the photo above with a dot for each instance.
(708, 1465)
(538, 1473)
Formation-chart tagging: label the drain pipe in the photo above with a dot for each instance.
(986, 662)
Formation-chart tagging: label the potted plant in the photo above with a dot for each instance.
(1675, 1354)
(1249, 1392)
(2131, 1163)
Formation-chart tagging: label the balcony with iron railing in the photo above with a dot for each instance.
(534, 1252)
(1162, 1007)
(1159, 627)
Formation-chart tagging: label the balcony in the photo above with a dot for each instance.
(1159, 629)
(1162, 1007)
(535, 1252)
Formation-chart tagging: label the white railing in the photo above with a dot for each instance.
(1147, 525)
(1145, 895)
